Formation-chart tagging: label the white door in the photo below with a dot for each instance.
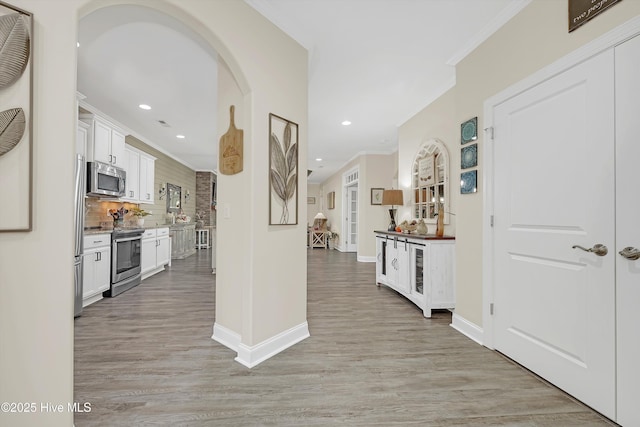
(352, 219)
(627, 231)
(554, 189)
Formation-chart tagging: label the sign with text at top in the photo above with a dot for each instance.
(581, 11)
(230, 149)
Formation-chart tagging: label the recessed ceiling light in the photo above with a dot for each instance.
(318, 159)
(180, 136)
(77, 44)
(144, 107)
(346, 123)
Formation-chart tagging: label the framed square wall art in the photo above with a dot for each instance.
(469, 156)
(283, 171)
(469, 182)
(469, 131)
(376, 196)
(16, 124)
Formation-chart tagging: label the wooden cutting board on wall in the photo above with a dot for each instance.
(230, 149)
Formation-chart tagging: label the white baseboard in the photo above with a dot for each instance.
(226, 337)
(467, 328)
(366, 258)
(152, 272)
(254, 355)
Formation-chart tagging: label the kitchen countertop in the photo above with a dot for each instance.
(415, 236)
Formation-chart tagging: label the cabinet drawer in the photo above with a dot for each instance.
(163, 232)
(149, 233)
(97, 240)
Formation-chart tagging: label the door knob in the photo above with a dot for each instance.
(598, 249)
(630, 253)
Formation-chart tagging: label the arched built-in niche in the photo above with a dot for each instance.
(430, 181)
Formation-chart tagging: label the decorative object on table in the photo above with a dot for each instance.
(283, 171)
(183, 218)
(469, 131)
(421, 228)
(407, 227)
(311, 200)
(118, 216)
(469, 156)
(392, 198)
(139, 215)
(426, 171)
(440, 222)
(16, 125)
(581, 11)
(230, 148)
(320, 222)
(331, 200)
(469, 182)
(376, 196)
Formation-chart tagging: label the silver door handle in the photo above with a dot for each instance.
(598, 249)
(630, 253)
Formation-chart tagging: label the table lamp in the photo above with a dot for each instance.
(392, 198)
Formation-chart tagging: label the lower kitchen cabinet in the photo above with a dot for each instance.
(96, 275)
(183, 240)
(421, 268)
(155, 252)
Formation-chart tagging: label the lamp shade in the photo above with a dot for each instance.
(319, 215)
(392, 197)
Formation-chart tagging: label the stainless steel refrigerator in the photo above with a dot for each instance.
(80, 176)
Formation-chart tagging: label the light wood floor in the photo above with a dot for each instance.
(146, 357)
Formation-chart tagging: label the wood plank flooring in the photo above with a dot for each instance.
(146, 357)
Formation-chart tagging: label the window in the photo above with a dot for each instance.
(430, 181)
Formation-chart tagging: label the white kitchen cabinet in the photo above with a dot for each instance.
(155, 252)
(81, 138)
(140, 168)
(421, 268)
(96, 276)
(132, 182)
(106, 142)
(147, 177)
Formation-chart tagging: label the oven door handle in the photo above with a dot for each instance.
(126, 239)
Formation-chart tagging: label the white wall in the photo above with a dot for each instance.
(36, 307)
(314, 190)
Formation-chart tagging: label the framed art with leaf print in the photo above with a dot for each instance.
(283, 171)
(16, 124)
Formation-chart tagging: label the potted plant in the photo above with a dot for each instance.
(332, 236)
(139, 215)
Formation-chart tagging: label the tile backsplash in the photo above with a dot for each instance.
(96, 212)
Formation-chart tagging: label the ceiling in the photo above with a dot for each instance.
(375, 63)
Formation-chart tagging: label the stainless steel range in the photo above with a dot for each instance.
(126, 244)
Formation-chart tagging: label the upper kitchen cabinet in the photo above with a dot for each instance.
(147, 177)
(105, 141)
(140, 168)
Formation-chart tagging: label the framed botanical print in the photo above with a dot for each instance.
(376, 196)
(283, 171)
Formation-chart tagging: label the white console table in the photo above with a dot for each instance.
(421, 268)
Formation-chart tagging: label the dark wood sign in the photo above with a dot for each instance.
(581, 11)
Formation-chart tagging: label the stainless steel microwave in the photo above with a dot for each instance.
(104, 179)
